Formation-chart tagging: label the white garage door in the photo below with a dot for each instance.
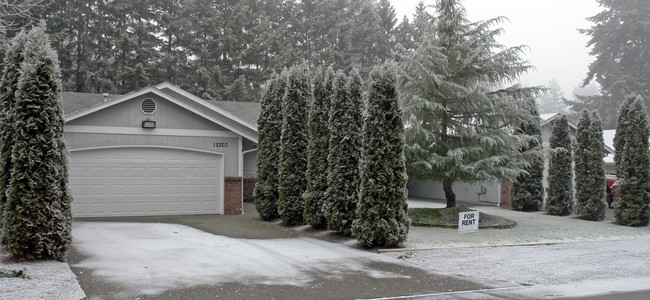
(142, 181)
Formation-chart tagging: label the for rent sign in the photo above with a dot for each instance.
(468, 221)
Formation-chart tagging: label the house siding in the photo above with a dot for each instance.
(215, 114)
(128, 114)
(469, 192)
(250, 164)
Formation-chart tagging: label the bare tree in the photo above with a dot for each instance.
(11, 11)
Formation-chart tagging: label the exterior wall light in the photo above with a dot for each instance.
(148, 124)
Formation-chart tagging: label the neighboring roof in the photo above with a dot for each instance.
(247, 111)
(548, 118)
(608, 137)
(240, 117)
(75, 102)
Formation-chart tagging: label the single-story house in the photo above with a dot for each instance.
(158, 151)
(495, 191)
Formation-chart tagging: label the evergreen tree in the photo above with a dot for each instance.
(8, 84)
(37, 212)
(382, 218)
(214, 49)
(552, 100)
(619, 42)
(527, 193)
(344, 153)
(632, 199)
(622, 130)
(293, 145)
(559, 193)
(269, 126)
(459, 122)
(589, 168)
(317, 165)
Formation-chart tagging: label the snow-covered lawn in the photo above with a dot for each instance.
(43, 280)
(152, 258)
(532, 228)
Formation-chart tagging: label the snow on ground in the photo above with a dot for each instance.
(531, 228)
(153, 258)
(44, 280)
(561, 270)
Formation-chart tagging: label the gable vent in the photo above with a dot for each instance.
(148, 106)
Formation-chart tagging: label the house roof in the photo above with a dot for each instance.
(240, 117)
(608, 138)
(608, 135)
(247, 111)
(548, 118)
(75, 102)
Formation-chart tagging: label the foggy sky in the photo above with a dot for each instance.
(548, 27)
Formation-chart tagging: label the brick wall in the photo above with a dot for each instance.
(249, 186)
(232, 196)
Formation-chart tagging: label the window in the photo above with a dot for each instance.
(148, 106)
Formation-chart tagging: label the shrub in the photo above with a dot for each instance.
(560, 177)
(382, 218)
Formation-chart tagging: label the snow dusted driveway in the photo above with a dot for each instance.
(577, 269)
(131, 260)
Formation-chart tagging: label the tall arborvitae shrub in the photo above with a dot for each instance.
(621, 130)
(589, 168)
(527, 193)
(632, 199)
(8, 83)
(269, 126)
(560, 175)
(37, 212)
(382, 218)
(344, 152)
(317, 166)
(293, 145)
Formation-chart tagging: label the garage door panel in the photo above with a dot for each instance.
(145, 181)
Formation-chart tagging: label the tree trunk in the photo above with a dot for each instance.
(449, 193)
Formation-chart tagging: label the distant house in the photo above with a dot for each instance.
(495, 191)
(158, 151)
(608, 137)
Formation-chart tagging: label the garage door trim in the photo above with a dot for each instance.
(220, 184)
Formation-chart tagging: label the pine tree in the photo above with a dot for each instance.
(269, 128)
(619, 43)
(344, 153)
(37, 213)
(589, 168)
(632, 199)
(459, 107)
(559, 200)
(552, 101)
(382, 218)
(8, 84)
(293, 147)
(317, 165)
(527, 193)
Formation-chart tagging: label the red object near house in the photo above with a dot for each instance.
(609, 181)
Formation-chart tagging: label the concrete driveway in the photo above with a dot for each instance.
(235, 257)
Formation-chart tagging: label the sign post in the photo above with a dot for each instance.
(468, 221)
